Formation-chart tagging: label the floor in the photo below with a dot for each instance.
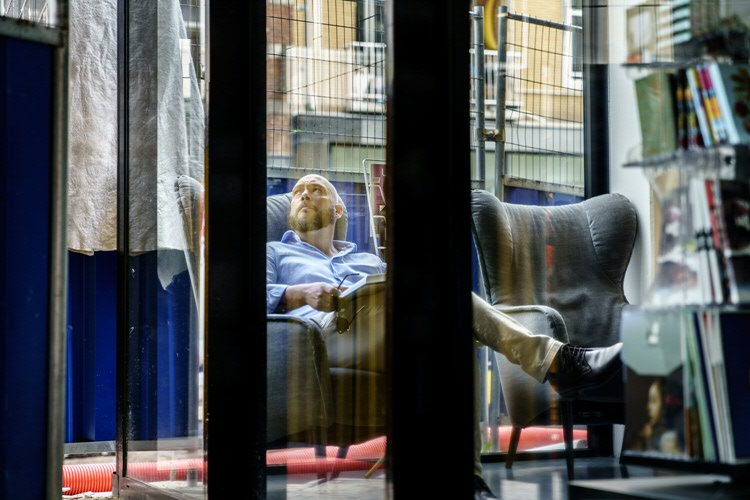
(543, 480)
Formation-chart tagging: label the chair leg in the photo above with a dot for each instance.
(341, 454)
(320, 462)
(567, 421)
(515, 436)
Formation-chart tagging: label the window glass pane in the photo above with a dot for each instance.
(326, 376)
(532, 91)
(164, 434)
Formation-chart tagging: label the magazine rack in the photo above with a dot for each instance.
(678, 344)
(685, 347)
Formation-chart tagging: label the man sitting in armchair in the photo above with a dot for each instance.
(307, 271)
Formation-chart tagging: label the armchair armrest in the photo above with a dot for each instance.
(299, 394)
(525, 397)
(540, 320)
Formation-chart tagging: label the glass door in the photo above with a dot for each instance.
(162, 180)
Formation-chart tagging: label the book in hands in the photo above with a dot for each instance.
(346, 310)
(368, 285)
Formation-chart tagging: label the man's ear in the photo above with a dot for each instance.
(339, 208)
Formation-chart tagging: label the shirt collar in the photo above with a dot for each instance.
(343, 247)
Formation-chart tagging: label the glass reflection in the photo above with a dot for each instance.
(164, 442)
(532, 89)
(326, 125)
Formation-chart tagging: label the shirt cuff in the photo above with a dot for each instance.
(273, 297)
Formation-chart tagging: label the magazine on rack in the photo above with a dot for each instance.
(655, 390)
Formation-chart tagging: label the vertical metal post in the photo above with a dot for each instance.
(595, 100)
(502, 35)
(235, 283)
(123, 241)
(58, 305)
(428, 86)
(477, 17)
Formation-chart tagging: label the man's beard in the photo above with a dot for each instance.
(306, 224)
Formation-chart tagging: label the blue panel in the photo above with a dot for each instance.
(105, 373)
(174, 347)
(25, 137)
(91, 377)
(160, 349)
(523, 196)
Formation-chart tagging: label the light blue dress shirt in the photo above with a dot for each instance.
(292, 261)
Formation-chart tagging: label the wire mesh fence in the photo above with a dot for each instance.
(326, 102)
(326, 94)
(325, 84)
(536, 77)
(543, 105)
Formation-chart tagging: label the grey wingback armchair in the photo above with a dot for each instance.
(559, 271)
(339, 406)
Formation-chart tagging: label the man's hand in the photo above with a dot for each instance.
(320, 296)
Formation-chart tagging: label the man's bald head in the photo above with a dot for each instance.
(315, 204)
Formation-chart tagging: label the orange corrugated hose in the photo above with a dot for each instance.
(96, 478)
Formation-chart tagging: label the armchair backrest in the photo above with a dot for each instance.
(277, 209)
(572, 258)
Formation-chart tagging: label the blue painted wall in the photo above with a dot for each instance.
(91, 376)
(25, 138)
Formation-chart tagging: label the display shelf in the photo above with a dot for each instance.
(670, 487)
(739, 472)
(684, 301)
(725, 161)
(684, 347)
(727, 43)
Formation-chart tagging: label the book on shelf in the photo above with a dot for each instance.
(710, 272)
(713, 355)
(687, 395)
(716, 118)
(699, 108)
(688, 133)
(734, 342)
(701, 410)
(641, 25)
(681, 21)
(683, 110)
(732, 89)
(678, 278)
(657, 113)
(706, 203)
